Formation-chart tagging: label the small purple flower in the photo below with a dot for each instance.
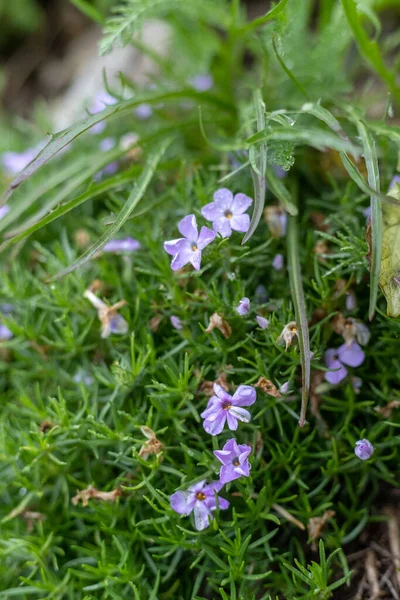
(367, 213)
(278, 263)
(235, 461)
(261, 294)
(14, 162)
(351, 301)
(227, 212)
(5, 333)
(199, 498)
(352, 356)
(279, 172)
(143, 111)
(4, 210)
(202, 83)
(395, 179)
(188, 249)
(284, 388)
(82, 376)
(100, 102)
(243, 307)
(263, 323)
(223, 407)
(364, 449)
(127, 244)
(106, 144)
(176, 322)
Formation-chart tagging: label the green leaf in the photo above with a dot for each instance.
(371, 162)
(279, 190)
(258, 169)
(135, 196)
(271, 14)
(369, 49)
(297, 291)
(389, 278)
(63, 138)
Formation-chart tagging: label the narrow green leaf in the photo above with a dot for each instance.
(324, 115)
(271, 14)
(297, 292)
(89, 10)
(258, 170)
(312, 136)
(293, 79)
(371, 162)
(63, 138)
(135, 196)
(389, 278)
(279, 190)
(369, 49)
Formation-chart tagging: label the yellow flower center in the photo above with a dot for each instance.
(228, 214)
(200, 496)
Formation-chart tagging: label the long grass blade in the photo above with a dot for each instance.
(134, 198)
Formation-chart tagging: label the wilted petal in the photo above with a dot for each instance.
(240, 413)
(240, 223)
(212, 211)
(188, 228)
(240, 204)
(352, 355)
(223, 197)
(245, 395)
(206, 237)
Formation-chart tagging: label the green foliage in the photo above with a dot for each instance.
(73, 404)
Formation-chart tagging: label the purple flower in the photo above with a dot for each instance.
(227, 212)
(222, 407)
(176, 322)
(100, 102)
(279, 172)
(127, 244)
(235, 461)
(5, 333)
(284, 388)
(188, 249)
(261, 294)
(82, 376)
(14, 162)
(199, 498)
(395, 179)
(364, 449)
(263, 323)
(4, 210)
(143, 111)
(106, 144)
(243, 307)
(277, 263)
(367, 213)
(351, 356)
(202, 83)
(351, 301)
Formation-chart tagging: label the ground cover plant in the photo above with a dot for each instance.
(184, 415)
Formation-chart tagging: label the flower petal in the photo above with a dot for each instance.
(223, 197)
(221, 393)
(195, 259)
(351, 355)
(240, 204)
(240, 223)
(188, 228)
(206, 237)
(240, 413)
(223, 226)
(216, 426)
(181, 259)
(183, 502)
(212, 211)
(211, 413)
(175, 246)
(232, 421)
(224, 456)
(227, 473)
(201, 516)
(336, 376)
(245, 395)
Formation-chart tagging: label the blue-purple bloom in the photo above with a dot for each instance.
(277, 262)
(4, 210)
(82, 376)
(127, 244)
(243, 307)
(223, 407)
(284, 388)
(395, 179)
(189, 248)
(143, 111)
(261, 294)
(5, 333)
(227, 212)
(351, 355)
(106, 144)
(263, 323)
(201, 499)
(14, 162)
(100, 102)
(202, 83)
(176, 322)
(351, 301)
(364, 449)
(235, 461)
(111, 321)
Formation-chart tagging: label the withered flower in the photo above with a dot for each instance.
(288, 335)
(152, 446)
(217, 321)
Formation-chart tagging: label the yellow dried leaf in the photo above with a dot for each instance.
(389, 277)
